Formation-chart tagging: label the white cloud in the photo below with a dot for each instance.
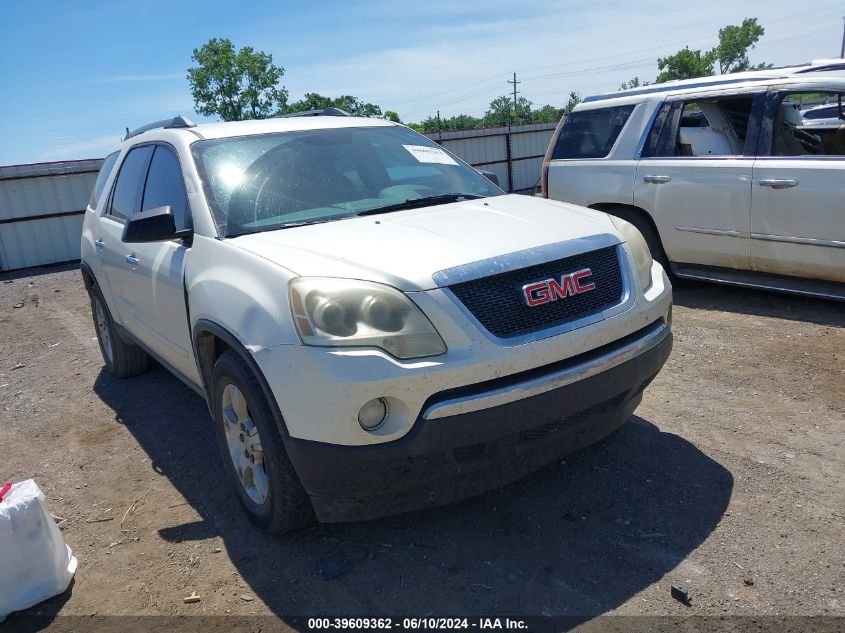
(460, 66)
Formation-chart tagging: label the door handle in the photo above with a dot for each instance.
(99, 243)
(656, 180)
(131, 259)
(774, 183)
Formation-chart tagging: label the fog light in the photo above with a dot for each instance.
(373, 414)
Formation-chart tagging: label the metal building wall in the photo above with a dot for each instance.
(41, 210)
(42, 205)
(514, 154)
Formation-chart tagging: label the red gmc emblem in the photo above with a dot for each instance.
(541, 292)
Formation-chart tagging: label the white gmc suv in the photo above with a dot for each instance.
(722, 176)
(374, 326)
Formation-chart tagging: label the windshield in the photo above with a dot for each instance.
(269, 181)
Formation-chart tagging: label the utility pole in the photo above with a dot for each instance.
(842, 50)
(515, 92)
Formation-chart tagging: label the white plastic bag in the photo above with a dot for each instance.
(35, 563)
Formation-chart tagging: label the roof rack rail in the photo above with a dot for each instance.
(175, 122)
(320, 112)
(817, 66)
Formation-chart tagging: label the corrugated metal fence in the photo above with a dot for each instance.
(41, 205)
(514, 154)
(41, 209)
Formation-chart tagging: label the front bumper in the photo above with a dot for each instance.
(479, 437)
(319, 391)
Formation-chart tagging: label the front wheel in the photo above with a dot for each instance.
(253, 452)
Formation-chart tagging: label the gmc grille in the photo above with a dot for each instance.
(498, 303)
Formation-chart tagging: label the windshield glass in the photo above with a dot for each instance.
(263, 182)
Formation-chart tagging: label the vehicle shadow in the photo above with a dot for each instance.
(578, 538)
(38, 271)
(708, 296)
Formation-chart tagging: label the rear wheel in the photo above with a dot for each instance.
(253, 452)
(122, 358)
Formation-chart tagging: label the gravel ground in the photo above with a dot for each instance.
(728, 483)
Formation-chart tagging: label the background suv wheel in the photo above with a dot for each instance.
(646, 227)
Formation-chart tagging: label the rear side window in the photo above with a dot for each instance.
(704, 127)
(129, 189)
(591, 133)
(102, 177)
(822, 113)
(166, 187)
(793, 136)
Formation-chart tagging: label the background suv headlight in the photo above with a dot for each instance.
(639, 250)
(351, 313)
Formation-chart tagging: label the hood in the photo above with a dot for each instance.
(405, 248)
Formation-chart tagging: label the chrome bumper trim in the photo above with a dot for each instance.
(536, 386)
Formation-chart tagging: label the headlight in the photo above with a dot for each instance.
(639, 250)
(350, 313)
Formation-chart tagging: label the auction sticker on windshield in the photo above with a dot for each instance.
(430, 154)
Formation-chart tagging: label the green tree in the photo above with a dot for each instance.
(633, 83)
(461, 122)
(734, 43)
(356, 107)
(390, 115)
(731, 54)
(347, 103)
(235, 85)
(501, 112)
(546, 114)
(429, 124)
(574, 100)
(310, 101)
(685, 64)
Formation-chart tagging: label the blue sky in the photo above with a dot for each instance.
(75, 74)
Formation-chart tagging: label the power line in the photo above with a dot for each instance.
(793, 24)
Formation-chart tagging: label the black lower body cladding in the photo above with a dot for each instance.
(451, 458)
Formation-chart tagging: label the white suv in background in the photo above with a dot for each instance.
(374, 326)
(722, 175)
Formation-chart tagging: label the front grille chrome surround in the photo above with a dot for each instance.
(530, 258)
(498, 302)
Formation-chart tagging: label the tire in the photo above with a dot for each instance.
(252, 450)
(646, 227)
(121, 358)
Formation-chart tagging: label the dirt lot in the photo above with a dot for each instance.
(728, 483)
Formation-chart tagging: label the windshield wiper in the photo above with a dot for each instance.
(412, 203)
(286, 225)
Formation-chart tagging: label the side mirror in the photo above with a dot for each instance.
(489, 175)
(155, 225)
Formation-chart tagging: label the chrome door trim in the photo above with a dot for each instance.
(536, 386)
(719, 232)
(810, 241)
